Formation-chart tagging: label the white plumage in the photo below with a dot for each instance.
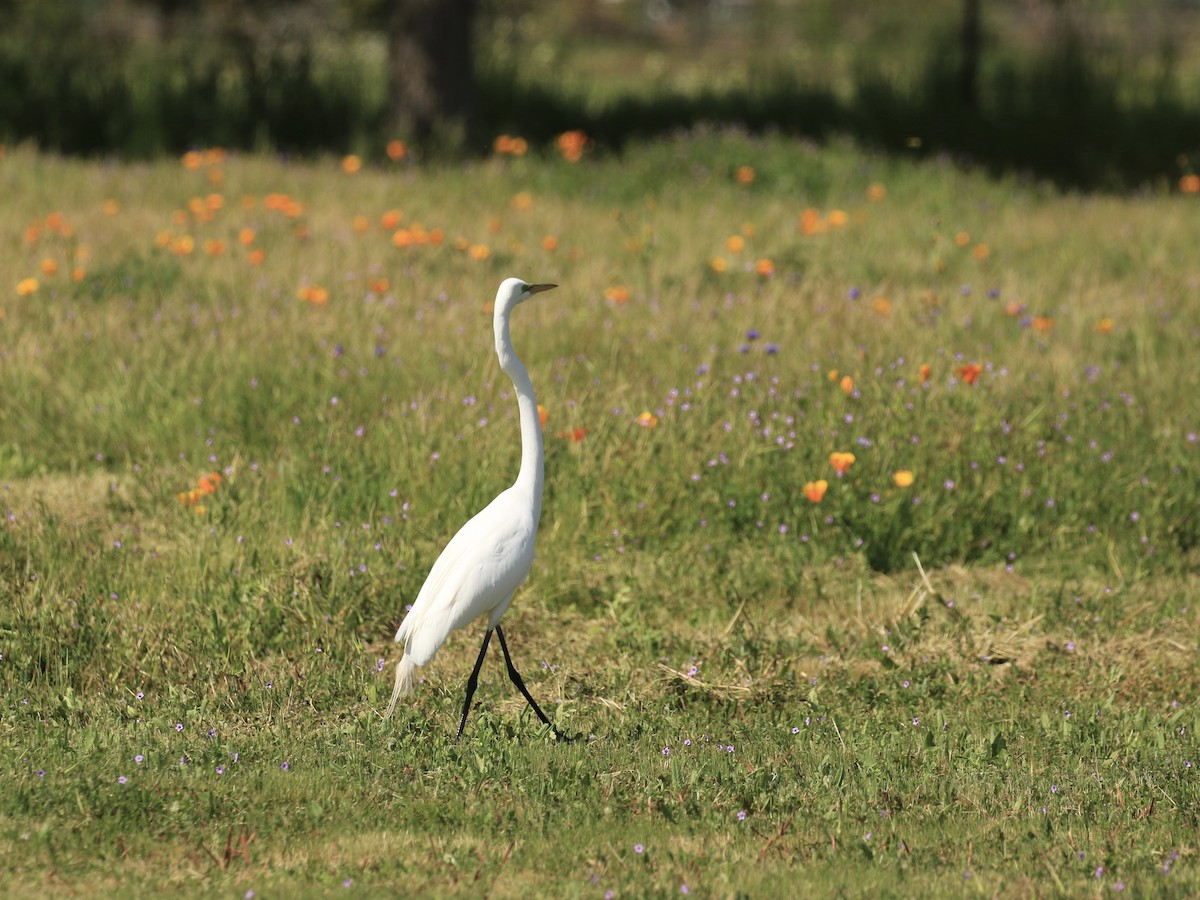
(488, 559)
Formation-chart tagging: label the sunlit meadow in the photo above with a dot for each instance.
(868, 555)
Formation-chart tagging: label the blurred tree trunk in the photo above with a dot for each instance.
(431, 72)
(970, 43)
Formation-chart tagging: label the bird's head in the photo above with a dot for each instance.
(514, 290)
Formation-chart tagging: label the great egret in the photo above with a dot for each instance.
(492, 554)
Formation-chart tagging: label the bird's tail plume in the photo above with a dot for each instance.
(404, 682)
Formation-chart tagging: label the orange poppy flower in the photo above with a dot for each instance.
(315, 294)
(1190, 184)
(478, 251)
(903, 478)
(841, 462)
(847, 385)
(923, 372)
(1104, 326)
(571, 145)
(647, 419)
(1043, 324)
(970, 372)
(837, 218)
(522, 200)
(26, 287)
(618, 294)
(48, 266)
(391, 219)
(397, 150)
(981, 252)
(810, 221)
(744, 175)
(256, 256)
(718, 265)
(351, 164)
(764, 268)
(543, 415)
(549, 243)
(962, 238)
(575, 435)
(735, 243)
(876, 192)
(110, 207)
(815, 490)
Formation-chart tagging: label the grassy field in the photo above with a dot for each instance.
(248, 402)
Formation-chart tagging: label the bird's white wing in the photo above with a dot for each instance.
(477, 571)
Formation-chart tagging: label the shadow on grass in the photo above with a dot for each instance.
(1066, 116)
(1061, 117)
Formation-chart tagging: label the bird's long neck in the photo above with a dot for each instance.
(532, 475)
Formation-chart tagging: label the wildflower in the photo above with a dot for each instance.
(391, 219)
(647, 419)
(618, 294)
(397, 150)
(744, 175)
(810, 222)
(543, 415)
(741, 816)
(970, 372)
(735, 243)
(1043, 324)
(981, 252)
(48, 266)
(549, 243)
(522, 200)
(882, 307)
(510, 146)
(847, 385)
(256, 257)
(837, 218)
(314, 294)
(876, 192)
(923, 372)
(764, 268)
(1104, 326)
(639, 848)
(717, 264)
(478, 252)
(27, 287)
(351, 164)
(571, 145)
(903, 478)
(841, 462)
(192, 160)
(1190, 184)
(575, 435)
(121, 779)
(815, 490)
(962, 238)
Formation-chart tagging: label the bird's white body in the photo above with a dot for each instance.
(488, 559)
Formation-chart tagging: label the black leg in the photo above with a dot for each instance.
(516, 679)
(474, 680)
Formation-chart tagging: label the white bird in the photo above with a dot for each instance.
(492, 554)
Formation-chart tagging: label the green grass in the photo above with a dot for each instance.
(1014, 714)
